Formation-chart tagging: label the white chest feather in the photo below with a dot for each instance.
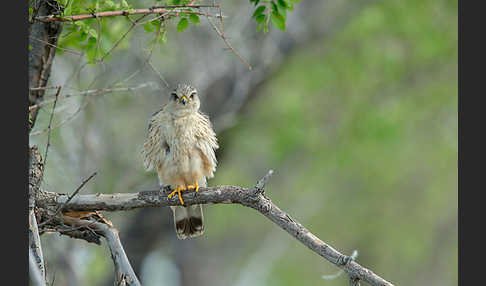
(183, 162)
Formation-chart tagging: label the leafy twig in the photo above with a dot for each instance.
(148, 11)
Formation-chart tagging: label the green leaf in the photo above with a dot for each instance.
(148, 27)
(93, 33)
(258, 11)
(278, 20)
(82, 36)
(183, 23)
(283, 4)
(274, 7)
(30, 47)
(282, 8)
(260, 25)
(80, 23)
(294, 1)
(91, 41)
(163, 37)
(260, 18)
(194, 18)
(109, 3)
(91, 48)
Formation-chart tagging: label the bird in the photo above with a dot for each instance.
(180, 146)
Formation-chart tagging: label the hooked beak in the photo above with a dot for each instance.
(184, 99)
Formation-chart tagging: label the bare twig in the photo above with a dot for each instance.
(66, 120)
(149, 56)
(61, 207)
(55, 46)
(158, 73)
(154, 19)
(49, 126)
(134, 24)
(43, 88)
(222, 36)
(250, 197)
(98, 92)
(124, 274)
(83, 105)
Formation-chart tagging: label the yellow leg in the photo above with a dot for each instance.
(193, 187)
(178, 191)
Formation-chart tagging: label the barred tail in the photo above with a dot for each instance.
(188, 221)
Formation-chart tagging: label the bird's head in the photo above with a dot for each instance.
(184, 99)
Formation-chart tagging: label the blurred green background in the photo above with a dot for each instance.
(359, 124)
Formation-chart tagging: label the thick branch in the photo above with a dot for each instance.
(250, 197)
(35, 179)
(34, 273)
(124, 274)
(35, 174)
(35, 248)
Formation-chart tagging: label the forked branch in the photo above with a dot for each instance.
(124, 274)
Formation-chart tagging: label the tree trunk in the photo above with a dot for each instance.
(42, 45)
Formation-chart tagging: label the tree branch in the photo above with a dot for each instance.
(94, 92)
(250, 197)
(124, 274)
(222, 36)
(34, 273)
(35, 249)
(147, 11)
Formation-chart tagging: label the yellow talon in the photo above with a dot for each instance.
(193, 187)
(178, 191)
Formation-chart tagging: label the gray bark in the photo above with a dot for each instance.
(34, 273)
(42, 40)
(35, 248)
(124, 274)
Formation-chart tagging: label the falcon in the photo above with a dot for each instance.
(180, 146)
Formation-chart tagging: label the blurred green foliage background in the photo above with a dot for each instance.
(360, 127)
(362, 130)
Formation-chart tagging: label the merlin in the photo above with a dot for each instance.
(180, 146)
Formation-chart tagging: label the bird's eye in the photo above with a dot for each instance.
(192, 95)
(174, 96)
